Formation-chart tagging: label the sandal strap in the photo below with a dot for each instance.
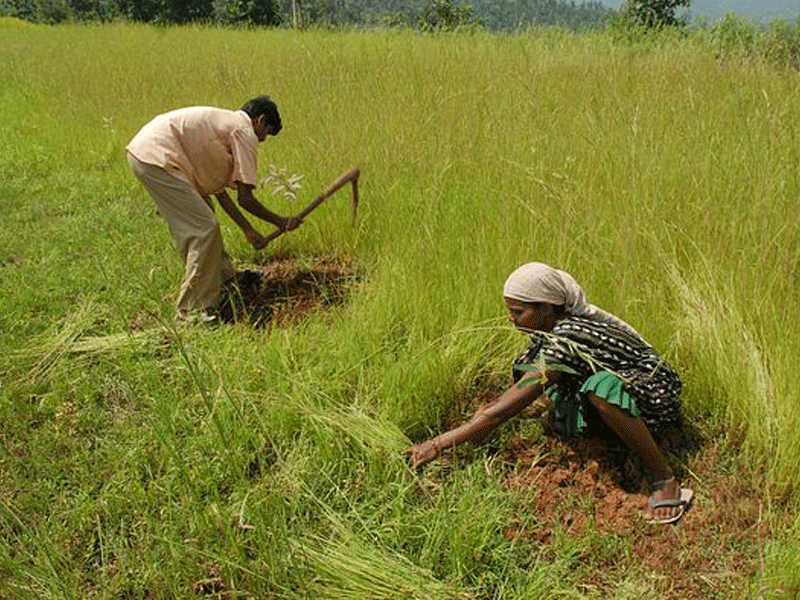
(666, 503)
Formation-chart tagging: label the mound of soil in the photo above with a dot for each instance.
(282, 290)
(579, 480)
(595, 488)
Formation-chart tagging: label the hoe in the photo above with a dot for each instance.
(348, 176)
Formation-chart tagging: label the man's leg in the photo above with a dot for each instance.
(227, 269)
(195, 229)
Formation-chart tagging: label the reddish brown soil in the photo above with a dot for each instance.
(284, 289)
(587, 489)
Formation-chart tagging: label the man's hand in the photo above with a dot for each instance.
(290, 223)
(256, 240)
(422, 453)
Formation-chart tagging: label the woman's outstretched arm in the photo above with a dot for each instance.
(485, 420)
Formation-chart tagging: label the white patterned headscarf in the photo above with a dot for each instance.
(538, 282)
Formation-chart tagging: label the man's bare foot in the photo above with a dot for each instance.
(668, 502)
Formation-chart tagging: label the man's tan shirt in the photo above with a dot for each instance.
(211, 148)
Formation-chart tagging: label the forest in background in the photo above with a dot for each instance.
(493, 15)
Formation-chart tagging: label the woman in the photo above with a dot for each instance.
(590, 364)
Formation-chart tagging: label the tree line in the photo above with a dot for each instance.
(495, 15)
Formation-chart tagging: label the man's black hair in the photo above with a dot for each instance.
(264, 105)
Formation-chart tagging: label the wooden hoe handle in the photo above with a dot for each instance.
(343, 179)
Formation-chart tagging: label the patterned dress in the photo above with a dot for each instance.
(586, 352)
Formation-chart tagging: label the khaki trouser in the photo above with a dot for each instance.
(195, 229)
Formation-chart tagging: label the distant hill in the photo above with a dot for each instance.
(761, 11)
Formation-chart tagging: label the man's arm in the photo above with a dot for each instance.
(485, 420)
(251, 204)
(256, 239)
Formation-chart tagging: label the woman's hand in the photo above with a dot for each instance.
(422, 453)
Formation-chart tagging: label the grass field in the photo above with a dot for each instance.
(141, 460)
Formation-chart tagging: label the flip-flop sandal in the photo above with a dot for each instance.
(682, 502)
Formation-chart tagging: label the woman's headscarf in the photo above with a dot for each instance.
(538, 282)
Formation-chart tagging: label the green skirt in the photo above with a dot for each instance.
(571, 412)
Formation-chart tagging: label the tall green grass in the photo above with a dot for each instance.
(140, 460)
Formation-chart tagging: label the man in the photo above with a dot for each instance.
(187, 155)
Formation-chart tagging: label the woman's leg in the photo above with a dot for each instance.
(637, 437)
